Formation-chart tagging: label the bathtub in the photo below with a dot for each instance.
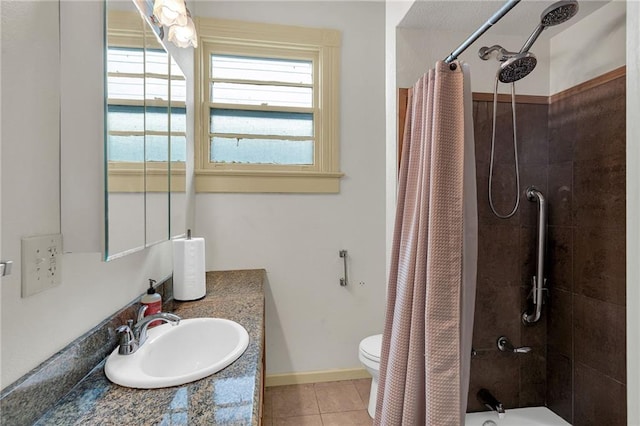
(532, 416)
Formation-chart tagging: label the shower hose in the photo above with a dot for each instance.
(515, 150)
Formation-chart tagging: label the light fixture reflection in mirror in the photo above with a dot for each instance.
(184, 36)
(175, 15)
(170, 12)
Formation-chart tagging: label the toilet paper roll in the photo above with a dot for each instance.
(188, 269)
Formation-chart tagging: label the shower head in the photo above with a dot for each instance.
(514, 65)
(555, 14)
(558, 13)
(517, 67)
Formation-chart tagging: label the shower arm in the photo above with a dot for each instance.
(532, 38)
(510, 4)
(538, 280)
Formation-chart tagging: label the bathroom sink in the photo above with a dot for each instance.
(176, 354)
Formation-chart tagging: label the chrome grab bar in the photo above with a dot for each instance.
(344, 281)
(538, 280)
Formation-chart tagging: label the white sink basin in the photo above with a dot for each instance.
(174, 355)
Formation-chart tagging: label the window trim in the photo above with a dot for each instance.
(271, 40)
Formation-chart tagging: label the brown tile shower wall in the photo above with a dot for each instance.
(573, 150)
(586, 356)
(506, 256)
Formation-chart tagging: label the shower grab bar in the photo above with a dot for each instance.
(344, 281)
(476, 35)
(538, 280)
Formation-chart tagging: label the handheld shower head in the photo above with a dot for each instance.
(555, 14)
(517, 67)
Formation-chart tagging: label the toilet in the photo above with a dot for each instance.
(369, 354)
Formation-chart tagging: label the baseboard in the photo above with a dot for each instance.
(315, 377)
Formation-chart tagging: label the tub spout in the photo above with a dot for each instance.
(488, 400)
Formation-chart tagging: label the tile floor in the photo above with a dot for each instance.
(341, 403)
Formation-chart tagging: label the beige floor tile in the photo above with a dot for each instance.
(294, 401)
(338, 396)
(347, 418)
(364, 389)
(314, 420)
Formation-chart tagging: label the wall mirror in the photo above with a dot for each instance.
(145, 140)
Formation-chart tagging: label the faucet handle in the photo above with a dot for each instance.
(128, 343)
(505, 346)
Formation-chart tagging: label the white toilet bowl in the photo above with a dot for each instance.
(369, 354)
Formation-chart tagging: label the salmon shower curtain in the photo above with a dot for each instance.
(426, 345)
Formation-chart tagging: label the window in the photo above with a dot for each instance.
(262, 110)
(268, 108)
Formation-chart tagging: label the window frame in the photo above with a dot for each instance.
(237, 38)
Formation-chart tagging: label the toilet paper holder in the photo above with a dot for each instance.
(344, 281)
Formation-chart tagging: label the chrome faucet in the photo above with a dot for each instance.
(490, 401)
(133, 336)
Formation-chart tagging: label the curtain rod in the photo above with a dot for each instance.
(510, 4)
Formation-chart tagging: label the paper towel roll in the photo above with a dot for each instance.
(188, 269)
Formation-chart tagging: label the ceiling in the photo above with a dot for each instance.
(469, 15)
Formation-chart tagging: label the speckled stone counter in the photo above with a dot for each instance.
(230, 397)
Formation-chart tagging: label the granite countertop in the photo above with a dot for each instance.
(231, 396)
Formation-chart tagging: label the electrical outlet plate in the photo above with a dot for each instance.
(40, 263)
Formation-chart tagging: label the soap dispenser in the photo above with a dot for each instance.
(153, 301)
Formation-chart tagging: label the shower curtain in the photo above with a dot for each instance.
(426, 345)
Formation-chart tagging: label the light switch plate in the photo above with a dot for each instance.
(40, 263)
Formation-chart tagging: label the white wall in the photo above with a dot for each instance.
(36, 327)
(312, 323)
(589, 48)
(633, 213)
